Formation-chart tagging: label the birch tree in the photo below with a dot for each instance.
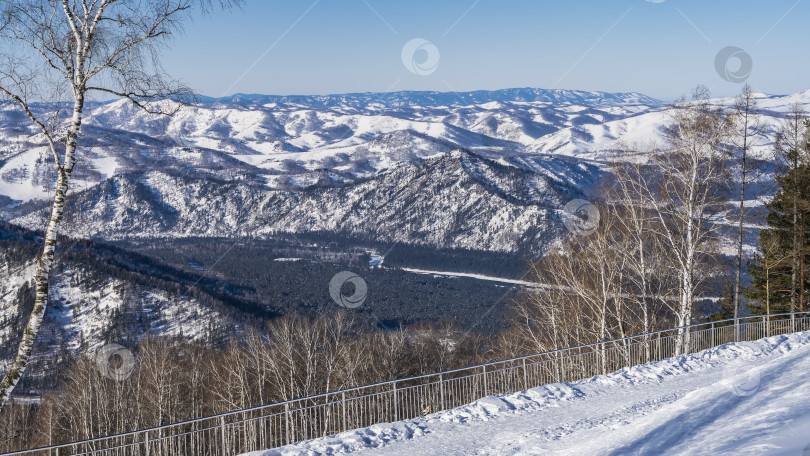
(686, 196)
(748, 129)
(583, 298)
(648, 285)
(55, 54)
(546, 319)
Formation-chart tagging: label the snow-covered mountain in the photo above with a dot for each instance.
(372, 165)
(458, 200)
(365, 101)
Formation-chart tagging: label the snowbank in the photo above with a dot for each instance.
(748, 398)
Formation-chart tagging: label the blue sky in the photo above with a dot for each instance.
(660, 48)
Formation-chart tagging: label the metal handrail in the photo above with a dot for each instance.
(340, 394)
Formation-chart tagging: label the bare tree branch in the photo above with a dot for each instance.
(77, 61)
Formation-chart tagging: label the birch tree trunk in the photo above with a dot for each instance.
(45, 263)
(746, 109)
(75, 51)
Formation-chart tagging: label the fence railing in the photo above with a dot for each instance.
(283, 423)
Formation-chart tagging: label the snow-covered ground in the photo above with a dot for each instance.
(471, 276)
(748, 398)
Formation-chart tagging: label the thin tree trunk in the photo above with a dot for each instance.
(645, 292)
(795, 253)
(23, 358)
(741, 218)
(738, 271)
(767, 302)
(800, 254)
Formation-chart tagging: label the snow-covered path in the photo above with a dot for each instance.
(751, 398)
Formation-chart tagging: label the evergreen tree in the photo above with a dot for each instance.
(726, 304)
(771, 273)
(780, 283)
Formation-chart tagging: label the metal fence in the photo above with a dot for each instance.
(283, 423)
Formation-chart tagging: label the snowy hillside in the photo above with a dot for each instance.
(748, 398)
(286, 139)
(96, 296)
(367, 165)
(457, 200)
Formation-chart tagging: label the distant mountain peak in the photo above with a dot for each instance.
(435, 98)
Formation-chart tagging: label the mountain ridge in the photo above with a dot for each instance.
(429, 98)
(501, 207)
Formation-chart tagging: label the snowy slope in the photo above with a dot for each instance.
(89, 305)
(458, 200)
(314, 162)
(744, 399)
(285, 139)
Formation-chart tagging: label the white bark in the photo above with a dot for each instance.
(21, 361)
(73, 47)
(684, 199)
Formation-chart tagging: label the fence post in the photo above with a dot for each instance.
(145, 442)
(222, 432)
(486, 387)
(441, 391)
(525, 376)
(764, 329)
(714, 336)
(396, 402)
(343, 402)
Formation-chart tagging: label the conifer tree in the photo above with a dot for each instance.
(780, 283)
